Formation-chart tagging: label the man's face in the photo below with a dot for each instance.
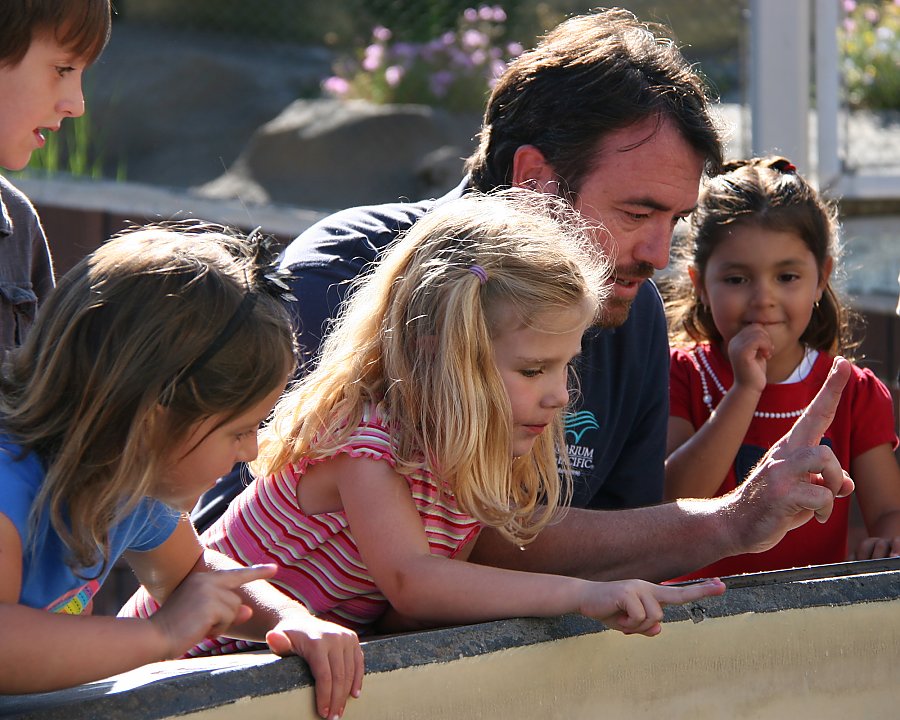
(639, 189)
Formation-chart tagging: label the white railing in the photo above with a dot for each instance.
(781, 73)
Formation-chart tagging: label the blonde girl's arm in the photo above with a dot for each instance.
(698, 462)
(877, 478)
(184, 577)
(389, 533)
(42, 651)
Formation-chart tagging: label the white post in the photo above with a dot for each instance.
(828, 94)
(780, 79)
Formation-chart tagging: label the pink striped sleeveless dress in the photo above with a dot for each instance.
(318, 560)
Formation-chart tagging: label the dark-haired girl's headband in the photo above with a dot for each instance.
(268, 278)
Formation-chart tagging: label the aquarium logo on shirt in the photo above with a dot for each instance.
(577, 424)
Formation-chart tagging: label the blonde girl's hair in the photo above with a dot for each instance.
(416, 336)
(768, 193)
(127, 354)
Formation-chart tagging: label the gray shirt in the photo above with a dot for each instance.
(26, 270)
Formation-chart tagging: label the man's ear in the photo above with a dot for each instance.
(531, 170)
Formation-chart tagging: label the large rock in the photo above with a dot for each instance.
(334, 154)
(176, 108)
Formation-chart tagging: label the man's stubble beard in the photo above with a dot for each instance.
(614, 313)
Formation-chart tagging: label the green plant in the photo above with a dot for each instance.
(73, 150)
(454, 70)
(870, 43)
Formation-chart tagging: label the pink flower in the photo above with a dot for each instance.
(381, 33)
(373, 57)
(458, 59)
(479, 57)
(472, 39)
(336, 86)
(393, 75)
(492, 14)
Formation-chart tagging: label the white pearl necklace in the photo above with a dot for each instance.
(700, 356)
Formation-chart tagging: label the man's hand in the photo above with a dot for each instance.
(796, 480)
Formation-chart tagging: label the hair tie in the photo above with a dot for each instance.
(479, 272)
(269, 278)
(785, 166)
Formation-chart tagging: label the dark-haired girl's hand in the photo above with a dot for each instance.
(205, 604)
(748, 353)
(872, 548)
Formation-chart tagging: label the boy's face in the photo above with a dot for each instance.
(37, 94)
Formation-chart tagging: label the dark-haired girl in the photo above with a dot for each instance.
(144, 378)
(755, 324)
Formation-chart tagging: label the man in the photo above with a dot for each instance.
(610, 116)
(630, 156)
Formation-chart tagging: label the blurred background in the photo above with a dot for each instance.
(183, 86)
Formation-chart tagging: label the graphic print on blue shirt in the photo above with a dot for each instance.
(748, 457)
(76, 601)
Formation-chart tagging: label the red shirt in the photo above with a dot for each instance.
(864, 420)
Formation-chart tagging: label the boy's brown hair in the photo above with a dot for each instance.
(80, 26)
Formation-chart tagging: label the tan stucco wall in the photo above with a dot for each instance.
(822, 663)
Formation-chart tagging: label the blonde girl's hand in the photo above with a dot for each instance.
(205, 604)
(748, 352)
(873, 548)
(332, 652)
(635, 607)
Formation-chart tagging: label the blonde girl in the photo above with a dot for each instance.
(144, 378)
(755, 325)
(436, 410)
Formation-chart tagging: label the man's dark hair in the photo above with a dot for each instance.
(591, 75)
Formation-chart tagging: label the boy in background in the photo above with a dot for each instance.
(45, 46)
